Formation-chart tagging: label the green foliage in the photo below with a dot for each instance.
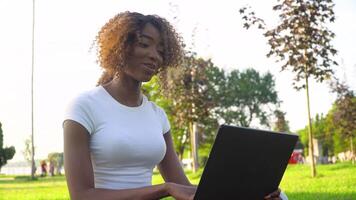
(338, 126)
(199, 92)
(303, 137)
(281, 124)
(187, 90)
(319, 127)
(344, 114)
(330, 131)
(339, 143)
(246, 96)
(153, 91)
(57, 159)
(5, 153)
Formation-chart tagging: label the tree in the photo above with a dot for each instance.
(323, 131)
(27, 153)
(57, 159)
(216, 85)
(330, 130)
(187, 89)
(301, 42)
(246, 96)
(281, 124)
(153, 91)
(179, 127)
(344, 115)
(335, 132)
(6, 153)
(320, 131)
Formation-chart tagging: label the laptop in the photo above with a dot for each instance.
(245, 163)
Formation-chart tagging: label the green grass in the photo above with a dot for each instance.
(334, 182)
(21, 187)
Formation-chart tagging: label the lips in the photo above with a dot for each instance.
(150, 67)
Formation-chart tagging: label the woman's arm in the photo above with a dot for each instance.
(80, 176)
(170, 167)
(172, 172)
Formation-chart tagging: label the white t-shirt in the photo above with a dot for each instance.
(125, 142)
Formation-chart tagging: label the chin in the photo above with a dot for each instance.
(146, 79)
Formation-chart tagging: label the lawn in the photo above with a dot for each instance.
(334, 182)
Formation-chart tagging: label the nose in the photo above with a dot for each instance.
(155, 56)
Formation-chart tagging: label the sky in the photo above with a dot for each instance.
(65, 66)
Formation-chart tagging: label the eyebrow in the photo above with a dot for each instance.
(150, 38)
(146, 36)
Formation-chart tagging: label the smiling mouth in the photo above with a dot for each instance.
(152, 68)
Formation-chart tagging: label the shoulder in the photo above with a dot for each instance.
(162, 116)
(80, 109)
(86, 97)
(83, 103)
(156, 108)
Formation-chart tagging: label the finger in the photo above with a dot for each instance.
(191, 197)
(276, 193)
(273, 194)
(267, 197)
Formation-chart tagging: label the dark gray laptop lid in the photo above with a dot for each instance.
(245, 164)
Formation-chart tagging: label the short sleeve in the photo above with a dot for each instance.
(79, 111)
(164, 119)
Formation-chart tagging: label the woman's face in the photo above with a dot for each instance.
(146, 56)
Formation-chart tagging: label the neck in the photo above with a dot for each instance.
(127, 92)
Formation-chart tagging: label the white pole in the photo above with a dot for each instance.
(32, 72)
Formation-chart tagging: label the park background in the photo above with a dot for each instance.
(213, 30)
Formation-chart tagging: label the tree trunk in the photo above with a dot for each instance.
(311, 145)
(181, 152)
(352, 150)
(194, 146)
(33, 167)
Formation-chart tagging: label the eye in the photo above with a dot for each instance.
(144, 45)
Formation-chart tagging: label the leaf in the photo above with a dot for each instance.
(246, 25)
(242, 10)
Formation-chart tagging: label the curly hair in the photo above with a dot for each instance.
(117, 36)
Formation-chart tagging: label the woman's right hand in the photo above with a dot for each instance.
(181, 192)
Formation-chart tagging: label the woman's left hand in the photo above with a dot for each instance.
(274, 195)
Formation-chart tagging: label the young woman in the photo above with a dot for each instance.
(113, 135)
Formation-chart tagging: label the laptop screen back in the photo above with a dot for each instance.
(245, 164)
